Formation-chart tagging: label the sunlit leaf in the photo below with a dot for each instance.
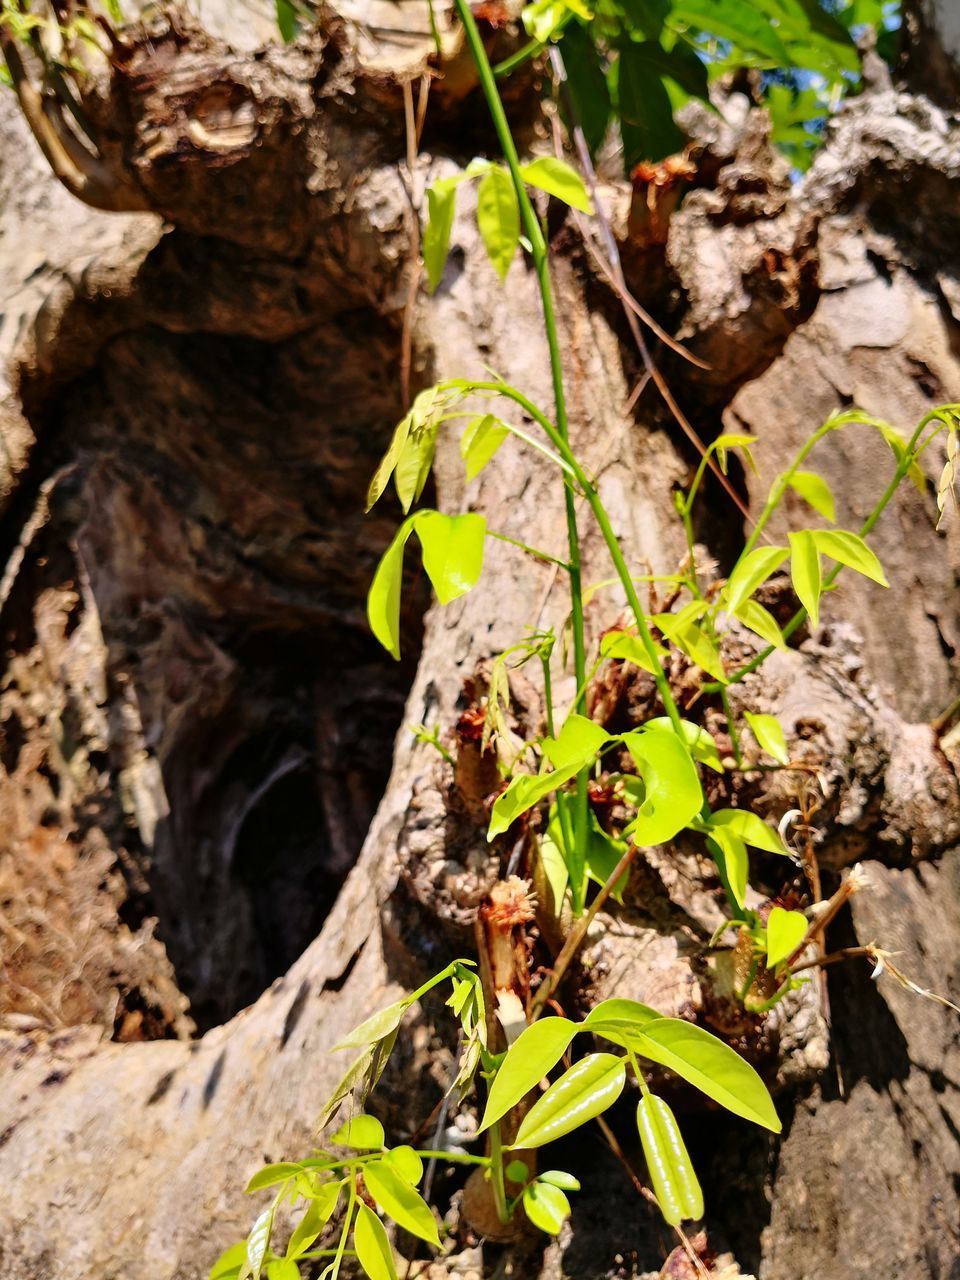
(530, 1058)
(271, 1175)
(785, 931)
(683, 630)
(286, 20)
(617, 1019)
(630, 648)
(558, 179)
(850, 549)
(700, 743)
(673, 794)
(400, 1201)
(258, 1241)
(749, 827)
(587, 1089)
(727, 441)
(732, 20)
(761, 622)
(750, 572)
(363, 1133)
(498, 218)
(452, 551)
(558, 1178)
(480, 441)
(441, 210)
(230, 1263)
(383, 598)
(805, 572)
(730, 854)
(814, 490)
(407, 1164)
(283, 1269)
(769, 734)
(319, 1212)
(546, 1206)
(375, 1027)
(372, 1246)
(523, 793)
(671, 1172)
(580, 739)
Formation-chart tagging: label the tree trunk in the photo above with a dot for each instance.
(215, 858)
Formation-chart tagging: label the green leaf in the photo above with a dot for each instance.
(587, 82)
(363, 1133)
(283, 1269)
(558, 179)
(671, 1172)
(710, 1066)
(673, 794)
(683, 630)
(851, 550)
(815, 490)
(750, 572)
(441, 210)
(372, 1246)
(230, 1263)
(699, 742)
(530, 1058)
(517, 1171)
(617, 1019)
(376, 1027)
(553, 863)
(604, 852)
(480, 441)
(769, 734)
(389, 460)
(629, 648)
(286, 20)
(400, 1201)
(498, 218)
(558, 1178)
(728, 441)
(319, 1212)
(523, 793)
(805, 572)
(383, 598)
(580, 739)
(740, 23)
(587, 1089)
(785, 931)
(272, 1174)
(730, 854)
(546, 1206)
(647, 126)
(452, 551)
(749, 827)
(407, 1164)
(258, 1241)
(761, 622)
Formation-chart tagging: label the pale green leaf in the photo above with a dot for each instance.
(554, 867)
(530, 1058)
(805, 572)
(683, 630)
(363, 1133)
(318, 1213)
(400, 1201)
(517, 1171)
(376, 1027)
(272, 1174)
(700, 743)
(452, 551)
(373, 1248)
(673, 794)
(769, 734)
(546, 1206)
(586, 1090)
(407, 1164)
(580, 739)
(557, 1178)
(283, 1269)
(498, 218)
(750, 572)
(383, 598)
(730, 854)
(785, 931)
(230, 1262)
(617, 1019)
(761, 622)
(258, 1241)
(441, 209)
(389, 460)
(628, 647)
(523, 793)
(710, 1066)
(749, 827)
(814, 490)
(729, 441)
(559, 179)
(671, 1172)
(480, 441)
(850, 549)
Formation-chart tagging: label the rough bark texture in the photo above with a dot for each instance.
(197, 728)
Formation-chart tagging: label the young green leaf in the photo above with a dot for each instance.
(579, 740)
(587, 1089)
(283, 1269)
(750, 828)
(383, 598)
(230, 1263)
(618, 1019)
(441, 209)
(683, 630)
(405, 1161)
(805, 572)
(272, 1174)
(553, 865)
(745, 25)
(376, 1027)
(258, 1241)
(452, 551)
(673, 794)
(700, 743)
(785, 931)
(761, 622)
(517, 1171)
(557, 1178)
(523, 793)
(730, 854)
(814, 490)
(629, 648)
(671, 1172)
(400, 1201)
(724, 443)
(286, 20)
(498, 218)
(480, 441)
(604, 852)
(710, 1066)
(559, 179)
(319, 1212)
(851, 550)
(750, 572)
(769, 735)
(363, 1133)
(389, 461)
(373, 1248)
(546, 1206)
(530, 1058)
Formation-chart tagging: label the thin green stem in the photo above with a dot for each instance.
(496, 1174)
(548, 693)
(451, 1157)
(731, 729)
(538, 250)
(347, 1221)
(531, 551)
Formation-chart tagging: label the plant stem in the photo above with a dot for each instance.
(731, 729)
(538, 250)
(531, 551)
(496, 1174)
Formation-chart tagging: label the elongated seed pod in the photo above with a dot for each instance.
(674, 1181)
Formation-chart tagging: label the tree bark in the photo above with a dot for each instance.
(197, 727)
